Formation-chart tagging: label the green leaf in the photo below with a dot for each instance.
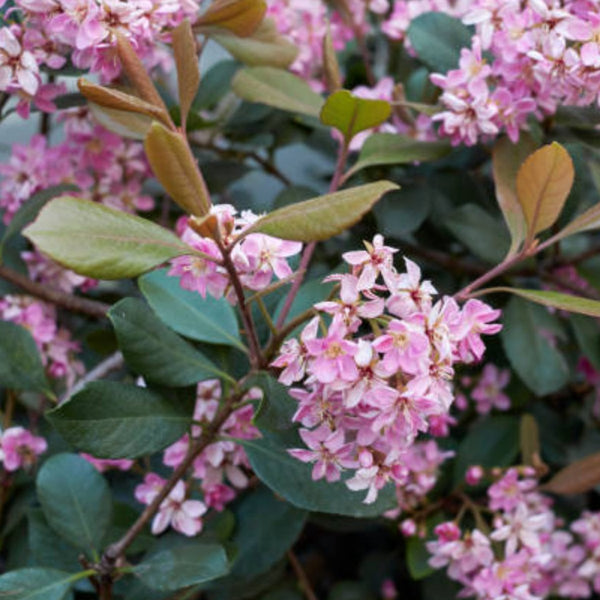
(277, 407)
(291, 479)
(544, 181)
(350, 114)
(574, 304)
(417, 558)
(266, 46)
(437, 39)
(528, 337)
(322, 217)
(202, 319)
(189, 564)
(493, 442)
(76, 500)
(20, 365)
(586, 221)
(587, 334)
(30, 209)
(266, 527)
(115, 420)
(392, 149)
(101, 242)
(479, 232)
(507, 158)
(35, 584)
(404, 211)
(151, 349)
(215, 84)
(278, 88)
(47, 548)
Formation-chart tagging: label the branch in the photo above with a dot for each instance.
(112, 363)
(117, 549)
(302, 577)
(85, 306)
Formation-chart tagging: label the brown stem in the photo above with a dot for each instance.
(118, 548)
(85, 306)
(112, 363)
(336, 180)
(491, 274)
(275, 341)
(302, 577)
(255, 352)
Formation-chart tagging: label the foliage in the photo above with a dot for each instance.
(219, 380)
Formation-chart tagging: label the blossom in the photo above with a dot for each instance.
(20, 448)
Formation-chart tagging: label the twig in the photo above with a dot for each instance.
(255, 352)
(112, 363)
(118, 548)
(302, 577)
(85, 306)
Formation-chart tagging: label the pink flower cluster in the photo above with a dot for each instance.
(105, 167)
(382, 370)
(536, 556)
(486, 390)
(48, 33)
(19, 448)
(56, 346)
(543, 54)
(304, 22)
(217, 473)
(256, 257)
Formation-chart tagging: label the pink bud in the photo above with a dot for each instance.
(473, 475)
(408, 528)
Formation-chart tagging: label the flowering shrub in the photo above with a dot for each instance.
(264, 333)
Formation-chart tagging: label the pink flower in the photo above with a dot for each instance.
(263, 256)
(405, 347)
(333, 355)
(18, 67)
(488, 391)
(327, 450)
(370, 263)
(103, 464)
(181, 514)
(20, 448)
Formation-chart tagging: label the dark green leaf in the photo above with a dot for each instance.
(183, 566)
(277, 407)
(437, 39)
(291, 479)
(151, 349)
(266, 527)
(479, 232)
(587, 335)
(392, 149)
(493, 442)
(417, 558)
(101, 242)
(20, 364)
(115, 420)
(35, 584)
(215, 84)
(47, 548)
(403, 211)
(529, 341)
(203, 319)
(76, 500)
